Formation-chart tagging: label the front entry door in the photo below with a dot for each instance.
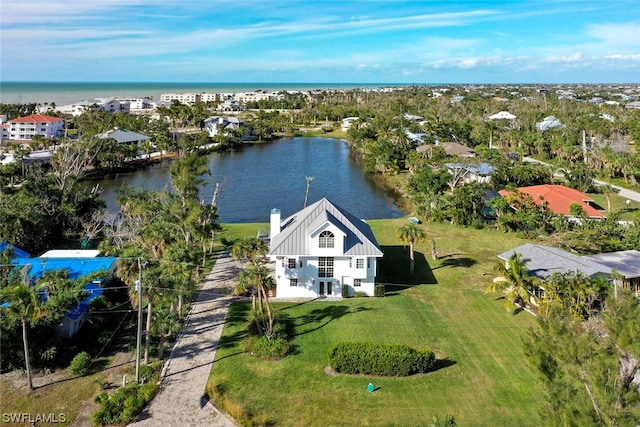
(325, 288)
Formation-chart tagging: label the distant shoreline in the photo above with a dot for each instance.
(67, 92)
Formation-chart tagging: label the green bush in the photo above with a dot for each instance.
(378, 291)
(260, 346)
(81, 364)
(360, 294)
(345, 291)
(275, 348)
(124, 405)
(380, 359)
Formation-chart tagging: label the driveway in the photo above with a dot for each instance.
(622, 192)
(180, 401)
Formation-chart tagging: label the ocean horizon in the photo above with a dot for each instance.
(61, 93)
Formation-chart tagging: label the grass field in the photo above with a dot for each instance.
(481, 377)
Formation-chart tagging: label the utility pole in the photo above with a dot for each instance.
(139, 335)
(306, 194)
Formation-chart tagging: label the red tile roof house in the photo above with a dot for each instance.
(559, 199)
(25, 128)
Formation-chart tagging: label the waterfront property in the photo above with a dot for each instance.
(224, 125)
(123, 136)
(320, 249)
(25, 128)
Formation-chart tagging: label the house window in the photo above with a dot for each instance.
(357, 283)
(359, 262)
(291, 263)
(325, 266)
(293, 282)
(350, 263)
(326, 240)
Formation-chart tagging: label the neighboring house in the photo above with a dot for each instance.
(347, 122)
(621, 268)
(632, 105)
(17, 252)
(78, 263)
(25, 128)
(415, 138)
(123, 136)
(545, 261)
(559, 199)
(549, 123)
(480, 172)
(502, 115)
(624, 265)
(229, 105)
(110, 105)
(450, 148)
(412, 117)
(321, 248)
(228, 125)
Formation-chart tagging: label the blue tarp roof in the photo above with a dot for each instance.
(94, 292)
(17, 252)
(77, 267)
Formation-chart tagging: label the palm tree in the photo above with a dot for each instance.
(256, 279)
(23, 301)
(514, 279)
(165, 323)
(411, 234)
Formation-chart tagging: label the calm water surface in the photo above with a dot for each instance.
(273, 175)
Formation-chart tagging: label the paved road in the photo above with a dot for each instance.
(180, 401)
(622, 192)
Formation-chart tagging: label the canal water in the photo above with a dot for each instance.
(259, 177)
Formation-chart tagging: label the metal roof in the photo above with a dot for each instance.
(546, 261)
(293, 238)
(627, 263)
(123, 136)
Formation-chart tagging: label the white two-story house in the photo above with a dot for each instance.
(321, 248)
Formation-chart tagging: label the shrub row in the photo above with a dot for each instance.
(380, 359)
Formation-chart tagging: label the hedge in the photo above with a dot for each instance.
(380, 359)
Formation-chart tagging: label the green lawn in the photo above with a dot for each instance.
(482, 377)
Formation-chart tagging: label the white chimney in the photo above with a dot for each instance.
(275, 223)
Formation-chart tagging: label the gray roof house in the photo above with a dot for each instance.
(625, 264)
(320, 249)
(123, 136)
(546, 261)
(622, 267)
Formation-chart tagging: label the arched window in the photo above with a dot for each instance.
(326, 239)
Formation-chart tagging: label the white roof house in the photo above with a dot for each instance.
(321, 248)
(502, 115)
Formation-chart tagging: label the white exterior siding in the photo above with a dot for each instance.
(319, 249)
(345, 272)
(25, 128)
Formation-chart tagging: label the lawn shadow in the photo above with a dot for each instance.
(442, 364)
(394, 270)
(450, 261)
(323, 316)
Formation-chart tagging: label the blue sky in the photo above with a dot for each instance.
(321, 41)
